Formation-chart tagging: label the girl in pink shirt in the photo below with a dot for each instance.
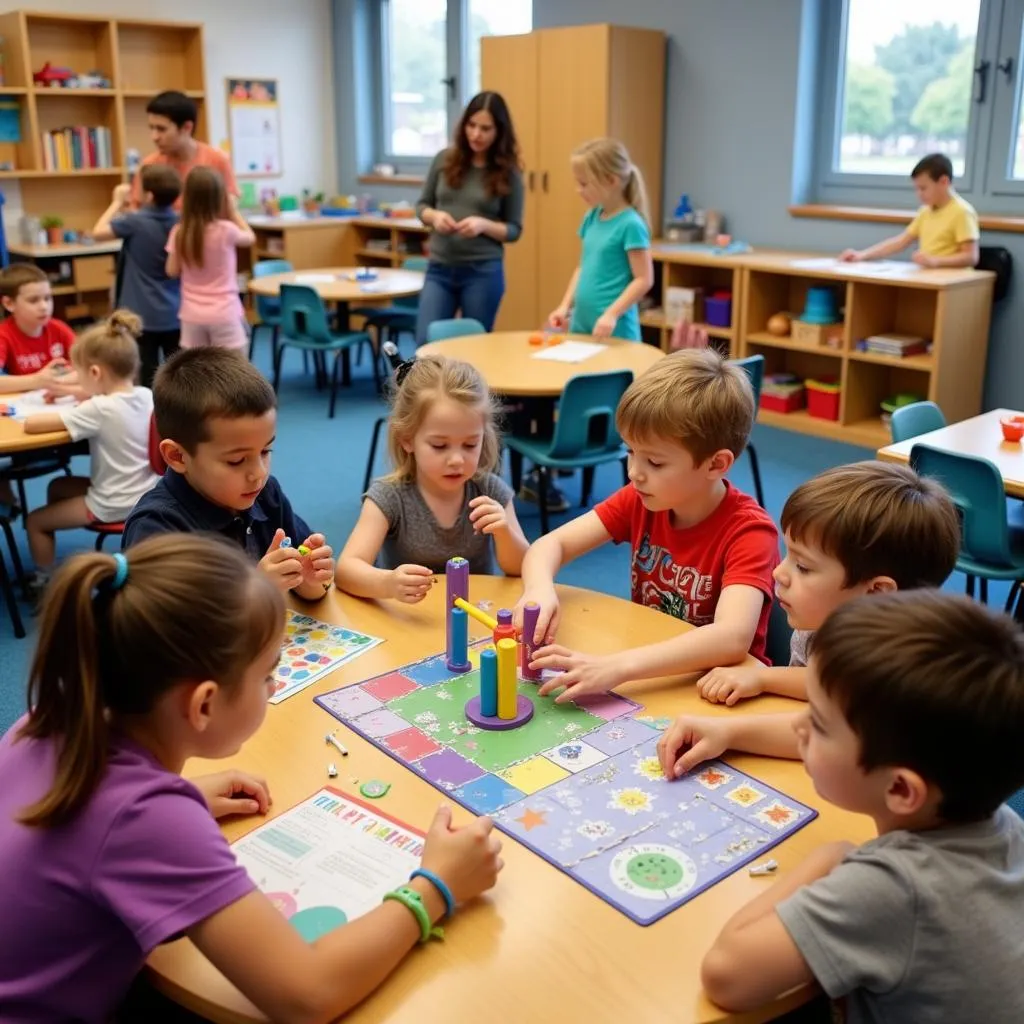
(201, 250)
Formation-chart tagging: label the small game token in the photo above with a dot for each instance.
(332, 771)
(302, 549)
(374, 789)
(764, 869)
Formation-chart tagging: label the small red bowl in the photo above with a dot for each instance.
(1013, 427)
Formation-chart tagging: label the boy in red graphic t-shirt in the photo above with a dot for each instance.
(703, 551)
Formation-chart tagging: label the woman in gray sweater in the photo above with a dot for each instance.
(473, 202)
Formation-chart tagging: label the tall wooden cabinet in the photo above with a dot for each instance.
(563, 87)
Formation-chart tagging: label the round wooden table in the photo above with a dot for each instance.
(505, 358)
(14, 440)
(539, 947)
(336, 284)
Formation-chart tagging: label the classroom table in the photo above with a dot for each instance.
(505, 358)
(14, 440)
(980, 436)
(539, 947)
(336, 284)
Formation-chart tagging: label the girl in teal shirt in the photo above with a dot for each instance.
(615, 270)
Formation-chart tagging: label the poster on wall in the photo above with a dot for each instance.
(254, 127)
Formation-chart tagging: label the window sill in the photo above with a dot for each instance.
(391, 179)
(882, 215)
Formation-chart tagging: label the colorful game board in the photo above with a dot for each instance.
(311, 649)
(579, 784)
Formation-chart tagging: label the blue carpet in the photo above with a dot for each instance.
(320, 464)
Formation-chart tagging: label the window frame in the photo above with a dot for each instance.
(1007, 102)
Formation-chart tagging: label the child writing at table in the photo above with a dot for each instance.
(202, 251)
(867, 528)
(915, 718)
(115, 419)
(146, 659)
(615, 270)
(702, 551)
(443, 497)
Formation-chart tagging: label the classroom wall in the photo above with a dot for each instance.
(291, 42)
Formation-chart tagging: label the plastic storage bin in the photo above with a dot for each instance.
(718, 309)
(823, 398)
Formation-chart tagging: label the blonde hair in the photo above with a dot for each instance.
(110, 344)
(203, 202)
(693, 398)
(431, 378)
(602, 159)
(191, 608)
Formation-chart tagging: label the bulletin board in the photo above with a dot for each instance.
(254, 127)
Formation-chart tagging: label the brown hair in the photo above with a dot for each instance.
(935, 165)
(933, 682)
(693, 398)
(162, 181)
(192, 608)
(110, 344)
(431, 378)
(878, 519)
(205, 201)
(14, 277)
(502, 156)
(199, 384)
(603, 159)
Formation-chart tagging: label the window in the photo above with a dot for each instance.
(430, 68)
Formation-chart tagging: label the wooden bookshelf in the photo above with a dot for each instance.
(140, 58)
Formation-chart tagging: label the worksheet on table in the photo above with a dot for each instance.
(571, 351)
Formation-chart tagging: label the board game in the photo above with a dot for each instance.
(579, 784)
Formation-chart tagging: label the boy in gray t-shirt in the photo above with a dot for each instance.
(915, 717)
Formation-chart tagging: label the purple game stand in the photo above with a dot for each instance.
(524, 712)
(531, 612)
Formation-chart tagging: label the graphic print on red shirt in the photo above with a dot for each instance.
(21, 354)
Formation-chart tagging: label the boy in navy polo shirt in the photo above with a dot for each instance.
(216, 415)
(145, 287)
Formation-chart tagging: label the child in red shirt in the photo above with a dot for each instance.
(703, 551)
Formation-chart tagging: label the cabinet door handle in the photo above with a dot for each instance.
(544, 181)
(531, 179)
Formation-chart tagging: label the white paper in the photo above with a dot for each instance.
(571, 351)
(329, 860)
(32, 402)
(868, 267)
(819, 263)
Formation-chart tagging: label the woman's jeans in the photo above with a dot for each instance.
(472, 289)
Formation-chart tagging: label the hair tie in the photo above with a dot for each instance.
(121, 575)
(400, 367)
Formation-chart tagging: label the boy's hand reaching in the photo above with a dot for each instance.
(55, 372)
(687, 335)
(487, 515)
(284, 565)
(411, 583)
(851, 256)
(547, 620)
(122, 194)
(690, 740)
(581, 674)
(318, 565)
(924, 260)
(731, 685)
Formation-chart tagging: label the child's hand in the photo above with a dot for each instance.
(690, 740)
(559, 319)
(923, 260)
(466, 859)
(234, 792)
(54, 372)
(687, 335)
(605, 326)
(470, 227)
(121, 194)
(547, 620)
(731, 685)
(411, 583)
(318, 565)
(487, 516)
(851, 256)
(443, 223)
(284, 565)
(581, 674)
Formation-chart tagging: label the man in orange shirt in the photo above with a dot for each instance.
(172, 120)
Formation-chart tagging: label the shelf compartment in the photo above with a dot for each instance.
(796, 361)
(867, 384)
(72, 109)
(21, 155)
(888, 309)
(79, 200)
(771, 293)
(81, 44)
(159, 56)
(788, 343)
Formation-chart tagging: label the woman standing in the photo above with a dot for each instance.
(473, 201)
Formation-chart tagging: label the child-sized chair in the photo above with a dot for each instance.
(914, 420)
(442, 330)
(584, 435)
(304, 326)
(5, 579)
(753, 367)
(989, 549)
(389, 322)
(268, 309)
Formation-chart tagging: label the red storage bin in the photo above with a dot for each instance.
(823, 398)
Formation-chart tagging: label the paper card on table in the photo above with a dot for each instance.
(571, 351)
(881, 267)
(329, 859)
(32, 402)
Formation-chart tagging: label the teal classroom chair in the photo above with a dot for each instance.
(584, 435)
(442, 330)
(915, 419)
(989, 549)
(268, 309)
(753, 367)
(304, 325)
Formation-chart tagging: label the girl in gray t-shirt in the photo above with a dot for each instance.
(443, 498)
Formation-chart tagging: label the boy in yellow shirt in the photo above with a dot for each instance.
(945, 227)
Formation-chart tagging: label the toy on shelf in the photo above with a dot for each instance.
(780, 325)
(312, 202)
(51, 77)
(782, 392)
(718, 308)
(270, 202)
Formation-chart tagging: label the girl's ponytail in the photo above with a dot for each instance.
(636, 193)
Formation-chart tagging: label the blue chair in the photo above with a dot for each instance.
(915, 419)
(584, 435)
(753, 367)
(989, 549)
(442, 330)
(268, 309)
(304, 325)
(6, 586)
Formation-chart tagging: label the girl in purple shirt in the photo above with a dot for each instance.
(146, 659)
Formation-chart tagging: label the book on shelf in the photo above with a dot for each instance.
(77, 148)
(896, 344)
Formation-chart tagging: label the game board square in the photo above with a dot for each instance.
(574, 755)
(378, 724)
(448, 770)
(534, 774)
(349, 702)
(429, 672)
(622, 734)
(607, 706)
(487, 794)
(411, 744)
(390, 686)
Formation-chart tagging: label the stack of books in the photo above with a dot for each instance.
(77, 149)
(898, 345)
